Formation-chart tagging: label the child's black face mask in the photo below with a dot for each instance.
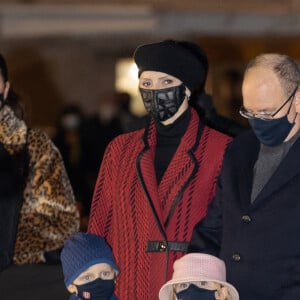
(194, 292)
(98, 289)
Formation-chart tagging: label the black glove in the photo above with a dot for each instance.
(52, 257)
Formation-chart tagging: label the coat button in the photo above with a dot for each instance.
(246, 218)
(236, 257)
(162, 246)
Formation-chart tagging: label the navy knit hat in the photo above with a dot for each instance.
(81, 251)
(173, 58)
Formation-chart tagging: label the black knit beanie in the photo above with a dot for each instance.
(172, 58)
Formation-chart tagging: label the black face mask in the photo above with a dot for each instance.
(97, 289)
(164, 103)
(194, 292)
(271, 133)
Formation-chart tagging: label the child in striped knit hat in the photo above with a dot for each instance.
(89, 267)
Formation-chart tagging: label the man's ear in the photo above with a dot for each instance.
(72, 289)
(6, 89)
(297, 102)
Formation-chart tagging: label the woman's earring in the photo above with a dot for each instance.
(187, 94)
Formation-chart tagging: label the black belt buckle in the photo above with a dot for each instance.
(157, 246)
(162, 246)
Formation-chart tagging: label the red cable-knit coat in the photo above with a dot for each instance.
(129, 209)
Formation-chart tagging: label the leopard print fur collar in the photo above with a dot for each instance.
(13, 131)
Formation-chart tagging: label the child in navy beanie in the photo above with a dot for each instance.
(89, 267)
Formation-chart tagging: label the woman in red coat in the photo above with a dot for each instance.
(155, 184)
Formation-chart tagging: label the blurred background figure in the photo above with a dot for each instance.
(98, 130)
(230, 93)
(128, 121)
(204, 105)
(69, 140)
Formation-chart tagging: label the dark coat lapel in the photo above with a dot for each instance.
(147, 176)
(244, 156)
(287, 170)
(181, 170)
(164, 199)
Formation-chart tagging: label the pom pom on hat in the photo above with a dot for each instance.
(81, 251)
(173, 58)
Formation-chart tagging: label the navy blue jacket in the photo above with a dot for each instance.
(259, 242)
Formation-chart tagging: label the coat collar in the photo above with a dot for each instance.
(288, 168)
(13, 132)
(164, 198)
(244, 158)
(244, 164)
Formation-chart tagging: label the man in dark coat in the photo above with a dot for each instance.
(253, 224)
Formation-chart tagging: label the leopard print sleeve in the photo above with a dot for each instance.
(49, 214)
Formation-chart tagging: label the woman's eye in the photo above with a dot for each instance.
(167, 81)
(146, 84)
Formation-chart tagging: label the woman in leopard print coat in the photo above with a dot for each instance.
(37, 205)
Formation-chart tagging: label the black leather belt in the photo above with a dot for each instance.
(161, 246)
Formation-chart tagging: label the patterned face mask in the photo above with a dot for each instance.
(163, 104)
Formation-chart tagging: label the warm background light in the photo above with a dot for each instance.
(127, 81)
